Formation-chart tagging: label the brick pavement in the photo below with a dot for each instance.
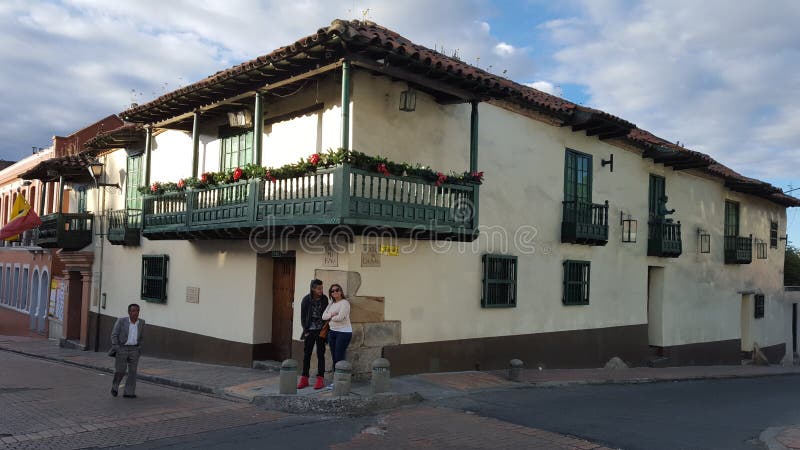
(789, 437)
(443, 428)
(75, 410)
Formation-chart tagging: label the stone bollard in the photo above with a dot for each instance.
(288, 379)
(380, 376)
(341, 378)
(515, 368)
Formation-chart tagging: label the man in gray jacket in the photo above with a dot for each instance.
(126, 341)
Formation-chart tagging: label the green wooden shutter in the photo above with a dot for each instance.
(499, 281)
(154, 278)
(731, 218)
(576, 282)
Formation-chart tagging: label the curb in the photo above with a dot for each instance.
(144, 377)
(548, 384)
(350, 405)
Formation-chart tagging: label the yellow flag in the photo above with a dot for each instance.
(19, 208)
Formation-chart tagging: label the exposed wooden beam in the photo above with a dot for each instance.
(605, 128)
(614, 134)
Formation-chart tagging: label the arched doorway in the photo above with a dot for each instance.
(43, 302)
(34, 299)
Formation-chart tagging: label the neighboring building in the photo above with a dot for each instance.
(567, 255)
(38, 268)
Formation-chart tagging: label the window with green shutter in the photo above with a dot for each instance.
(154, 278)
(773, 235)
(759, 306)
(576, 283)
(499, 281)
(134, 180)
(82, 199)
(731, 218)
(236, 148)
(577, 177)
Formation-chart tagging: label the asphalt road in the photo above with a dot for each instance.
(710, 414)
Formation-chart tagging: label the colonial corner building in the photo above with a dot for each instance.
(587, 238)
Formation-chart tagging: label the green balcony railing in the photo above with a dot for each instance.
(738, 250)
(664, 238)
(341, 195)
(124, 226)
(69, 231)
(584, 223)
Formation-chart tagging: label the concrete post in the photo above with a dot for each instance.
(341, 378)
(515, 369)
(380, 376)
(288, 378)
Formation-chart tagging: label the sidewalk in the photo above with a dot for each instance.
(261, 386)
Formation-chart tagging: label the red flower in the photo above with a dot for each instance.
(204, 177)
(441, 178)
(154, 187)
(269, 177)
(237, 174)
(181, 184)
(382, 169)
(478, 176)
(314, 159)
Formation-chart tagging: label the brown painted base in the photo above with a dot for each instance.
(563, 349)
(175, 344)
(774, 353)
(704, 353)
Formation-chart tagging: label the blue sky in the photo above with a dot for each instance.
(718, 76)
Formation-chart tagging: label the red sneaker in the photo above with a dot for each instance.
(320, 383)
(303, 383)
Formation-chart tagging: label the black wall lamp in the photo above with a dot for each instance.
(704, 240)
(629, 227)
(609, 162)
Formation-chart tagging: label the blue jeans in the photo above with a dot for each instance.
(338, 341)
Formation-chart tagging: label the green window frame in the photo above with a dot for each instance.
(758, 312)
(236, 148)
(656, 193)
(499, 281)
(731, 218)
(577, 176)
(577, 277)
(154, 278)
(134, 180)
(773, 234)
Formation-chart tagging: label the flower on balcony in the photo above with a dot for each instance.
(181, 184)
(205, 177)
(477, 176)
(268, 176)
(440, 179)
(382, 169)
(155, 187)
(314, 159)
(237, 174)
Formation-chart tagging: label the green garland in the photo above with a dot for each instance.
(310, 165)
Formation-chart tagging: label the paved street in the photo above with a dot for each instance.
(48, 405)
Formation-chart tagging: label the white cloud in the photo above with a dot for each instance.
(68, 63)
(719, 76)
(545, 86)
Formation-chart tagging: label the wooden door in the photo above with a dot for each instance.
(282, 297)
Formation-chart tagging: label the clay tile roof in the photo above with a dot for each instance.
(124, 136)
(72, 167)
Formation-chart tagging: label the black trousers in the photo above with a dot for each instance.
(313, 338)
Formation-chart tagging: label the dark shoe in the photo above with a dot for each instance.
(113, 392)
(129, 396)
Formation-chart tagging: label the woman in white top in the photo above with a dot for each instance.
(338, 312)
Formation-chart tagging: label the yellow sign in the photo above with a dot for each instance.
(390, 250)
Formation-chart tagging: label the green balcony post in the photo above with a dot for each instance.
(252, 201)
(258, 126)
(148, 153)
(189, 199)
(342, 190)
(196, 144)
(346, 105)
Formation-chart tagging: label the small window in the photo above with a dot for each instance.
(576, 283)
(759, 309)
(236, 148)
(773, 235)
(23, 296)
(154, 278)
(81, 192)
(499, 281)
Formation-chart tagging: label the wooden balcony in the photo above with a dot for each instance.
(584, 223)
(342, 195)
(738, 250)
(664, 238)
(124, 227)
(65, 230)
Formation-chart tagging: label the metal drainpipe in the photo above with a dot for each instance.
(345, 105)
(473, 138)
(196, 144)
(258, 126)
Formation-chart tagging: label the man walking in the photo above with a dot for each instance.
(126, 341)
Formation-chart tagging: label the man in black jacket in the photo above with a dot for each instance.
(311, 309)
